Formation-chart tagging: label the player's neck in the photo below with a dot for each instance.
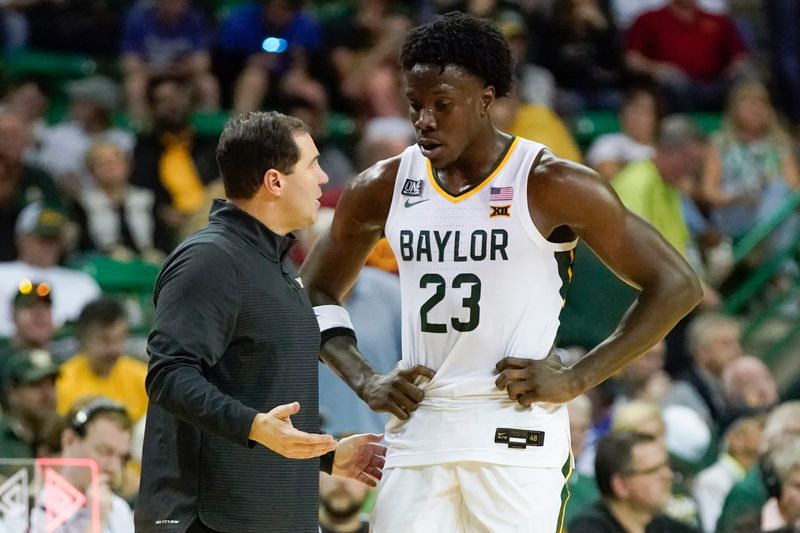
(477, 161)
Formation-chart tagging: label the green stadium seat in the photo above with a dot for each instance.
(33, 63)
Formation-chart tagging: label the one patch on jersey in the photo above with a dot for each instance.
(501, 194)
(412, 188)
(518, 438)
(500, 211)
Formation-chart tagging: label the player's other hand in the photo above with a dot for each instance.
(397, 391)
(529, 381)
(360, 457)
(275, 431)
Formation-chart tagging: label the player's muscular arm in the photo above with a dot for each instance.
(331, 270)
(566, 194)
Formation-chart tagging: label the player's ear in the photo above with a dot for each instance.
(487, 98)
(273, 182)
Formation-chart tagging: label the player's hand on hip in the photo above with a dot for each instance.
(275, 431)
(397, 392)
(360, 457)
(529, 381)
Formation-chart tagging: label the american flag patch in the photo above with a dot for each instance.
(501, 194)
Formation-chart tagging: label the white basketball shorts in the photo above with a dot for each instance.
(471, 497)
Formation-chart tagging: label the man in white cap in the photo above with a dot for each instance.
(41, 238)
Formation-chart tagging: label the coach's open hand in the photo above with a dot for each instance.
(360, 457)
(275, 431)
(530, 381)
(396, 392)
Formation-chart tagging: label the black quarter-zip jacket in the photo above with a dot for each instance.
(234, 334)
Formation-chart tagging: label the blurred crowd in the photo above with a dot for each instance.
(693, 436)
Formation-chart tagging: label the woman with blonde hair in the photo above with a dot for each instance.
(750, 166)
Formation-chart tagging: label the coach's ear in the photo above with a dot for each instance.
(273, 182)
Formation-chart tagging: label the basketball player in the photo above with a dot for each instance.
(483, 226)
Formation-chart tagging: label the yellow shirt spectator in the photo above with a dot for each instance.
(124, 384)
(538, 123)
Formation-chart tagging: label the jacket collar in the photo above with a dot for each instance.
(271, 245)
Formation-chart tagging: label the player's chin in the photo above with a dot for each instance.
(440, 158)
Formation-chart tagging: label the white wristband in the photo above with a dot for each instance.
(332, 316)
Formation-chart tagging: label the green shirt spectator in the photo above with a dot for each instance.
(642, 189)
(746, 497)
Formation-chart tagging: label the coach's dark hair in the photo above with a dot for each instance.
(614, 455)
(101, 312)
(473, 44)
(253, 143)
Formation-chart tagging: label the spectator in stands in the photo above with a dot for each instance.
(713, 343)
(527, 109)
(29, 401)
(97, 429)
(741, 447)
(20, 182)
(652, 187)
(64, 146)
(100, 367)
(166, 37)
(363, 53)
(173, 161)
(341, 504)
(751, 493)
(26, 98)
(274, 39)
(336, 163)
(536, 84)
(639, 118)
(783, 19)
(627, 11)
(13, 26)
(748, 383)
(634, 478)
(781, 512)
(115, 217)
(537, 122)
(692, 54)
(684, 435)
(41, 235)
(582, 487)
(584, 56)
(750, 167)
(32, 313)
(659, 189)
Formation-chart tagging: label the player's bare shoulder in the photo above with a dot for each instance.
(368, 196)
(563, 192)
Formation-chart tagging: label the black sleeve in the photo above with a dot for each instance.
(197, 298)
(326, 462)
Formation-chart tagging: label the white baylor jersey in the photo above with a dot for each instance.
(479, 283)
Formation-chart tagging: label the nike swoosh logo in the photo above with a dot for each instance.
(409, 203)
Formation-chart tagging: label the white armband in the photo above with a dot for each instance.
(333, 320)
